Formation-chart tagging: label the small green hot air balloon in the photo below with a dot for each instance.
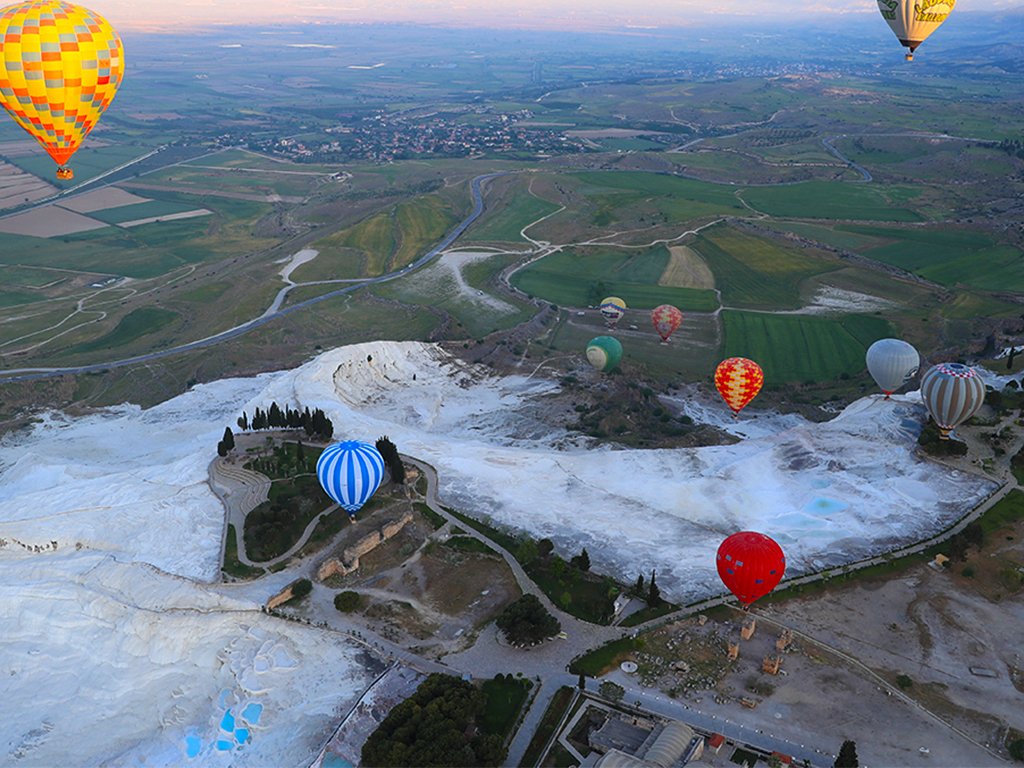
(604, 352)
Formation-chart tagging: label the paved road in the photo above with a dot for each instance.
(858, 168)
(28, 374)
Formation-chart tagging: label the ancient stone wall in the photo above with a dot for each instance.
(349, 560)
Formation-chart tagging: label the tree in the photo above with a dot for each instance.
(229, 438)
(582, 682)
(958, 548)
(526, 552)
(847, 757)
(638, 588)
(611, 691)
(300, 454)
(527, 622)
(222, 450)
(545, 547)
(653, 593)
(1016, 748)
(243, 422)
(974, 534)
(581, 561)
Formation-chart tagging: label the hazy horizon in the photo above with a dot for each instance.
(565, 15)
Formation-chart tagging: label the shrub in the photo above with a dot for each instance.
(347, 601)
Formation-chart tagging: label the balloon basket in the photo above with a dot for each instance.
(65, 174)
(909, 57)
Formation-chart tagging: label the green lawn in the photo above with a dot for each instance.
(133, 326)
(86, 163)
(582, 277)
(16, 298)
(605, 658)
(639, 197)
(799, 348)
(756, 272)
(505, 697)
(834, 200)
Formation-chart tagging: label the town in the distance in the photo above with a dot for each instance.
(526, 387)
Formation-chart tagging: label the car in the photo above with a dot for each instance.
(580, 314)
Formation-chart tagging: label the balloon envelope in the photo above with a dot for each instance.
(613, 308)
(738, 380)
(60, 66)
(912, 21)
(666, 320)
(604, 352)
(350, 472)
(952, 393)
(892, 363)
(750, 564)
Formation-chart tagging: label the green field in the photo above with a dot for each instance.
(133, 326)
(755, 272)
(582, 277)
(151, 249)
(140, 211)
(10, 298)
(834, 200)
(949, 256)
(628, 195)
(26, 277)
(795, 348)
(86, 163)
(504, 221)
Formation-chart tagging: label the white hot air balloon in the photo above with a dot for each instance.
(953, 392)
(913, 20)
(892, 363)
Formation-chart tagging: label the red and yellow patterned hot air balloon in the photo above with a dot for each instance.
(666, 319)
(738, 381)
(60, 66)
(750, 564)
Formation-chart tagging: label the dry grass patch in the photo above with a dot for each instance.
(686, 269)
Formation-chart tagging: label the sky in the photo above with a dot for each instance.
(582, 15)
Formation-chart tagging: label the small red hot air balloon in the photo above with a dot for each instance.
(666, 319)
(738, 381)
(750, 564)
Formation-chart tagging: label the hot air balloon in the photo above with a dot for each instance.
(750, 564)
(350, 472)
(60, 66)
(912, 21)
(666, 319)
(892, 363)
(613, 308)
(953, 393)
(604, 352)
(738, 381)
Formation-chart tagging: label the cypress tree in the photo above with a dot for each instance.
(653, 593)
(639, 587)
(275, 418)
(222, 449)
(229, 438)
(847, 757)
(243, 422)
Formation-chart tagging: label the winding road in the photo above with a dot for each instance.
(28, 374)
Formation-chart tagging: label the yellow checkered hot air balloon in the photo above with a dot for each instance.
(61, 66)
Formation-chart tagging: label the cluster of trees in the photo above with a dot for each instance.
(958, 543)
(527, 622)
(315, 423)
(436, 726)
(1013, 147)
(651, 594)
(392, 460)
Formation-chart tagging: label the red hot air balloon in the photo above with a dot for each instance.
(750, 564)
(666, 319)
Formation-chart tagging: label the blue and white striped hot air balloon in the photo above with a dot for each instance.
(350, 472)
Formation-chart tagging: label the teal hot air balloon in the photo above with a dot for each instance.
(953, 392)
(892, 363)
(604, 352)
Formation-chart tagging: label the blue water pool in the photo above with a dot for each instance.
(823, 506)
(224, 746)
(227, 723)
(336, 761)
(192, 745)
(251, 713)
(242, 735)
